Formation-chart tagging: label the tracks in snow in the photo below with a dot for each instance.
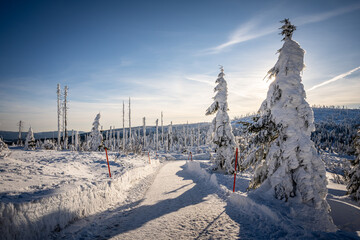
(173, 207)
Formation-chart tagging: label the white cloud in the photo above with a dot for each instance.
(339, 93)
(247, 31)
(252, 29)
(338, 77)
(326, 15)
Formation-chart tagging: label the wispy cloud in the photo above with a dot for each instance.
(326, 15)
(338, 77)
(201, 78)
(253, 28)
(247, 31)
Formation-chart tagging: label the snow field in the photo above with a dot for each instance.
(262, 217)
(83, 189)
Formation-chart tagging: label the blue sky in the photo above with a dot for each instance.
(165, 56)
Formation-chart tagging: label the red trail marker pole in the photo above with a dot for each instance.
(149, 157)
(107, 159)
(236, 158)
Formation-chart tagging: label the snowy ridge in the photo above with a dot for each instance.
(35, 219)
(263, 217)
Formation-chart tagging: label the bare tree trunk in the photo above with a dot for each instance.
(162, 129)
(124, 139)
(157, 135)
(198, 137)
(59, 116)
(144, 132)
(65, 117)
(171, 137)
(130, 144)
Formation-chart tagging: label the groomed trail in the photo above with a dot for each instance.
(172, 207)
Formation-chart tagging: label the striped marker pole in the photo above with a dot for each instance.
(236, 158)
(107, 159)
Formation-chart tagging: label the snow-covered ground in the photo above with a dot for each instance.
(69, 195)
(174, 207)
(42, 191)
(262, 217)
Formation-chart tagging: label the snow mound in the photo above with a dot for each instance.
(263, 217)
(85, 189)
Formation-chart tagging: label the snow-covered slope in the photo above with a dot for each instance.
(337, 115)
(42, 191)
(263, 217)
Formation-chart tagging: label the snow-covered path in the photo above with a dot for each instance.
(174, 207)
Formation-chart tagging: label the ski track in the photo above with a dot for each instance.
(173, 207)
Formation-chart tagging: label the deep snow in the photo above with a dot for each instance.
(42, 191)
(174, 207)
(51, 194)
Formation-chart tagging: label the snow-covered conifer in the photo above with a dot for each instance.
(95, 138)
(3, 145)
(354, 175)
(4, 149)
(284, 155)
(221, 131)
(30, 140)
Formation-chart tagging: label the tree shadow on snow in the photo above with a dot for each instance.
(256, 222)
(136, 217)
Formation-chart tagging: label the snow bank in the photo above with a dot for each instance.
(269, 218)
(240, 200)
(34, 215)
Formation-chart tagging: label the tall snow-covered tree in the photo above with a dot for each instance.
(20, 124)
(3, 145)
(285, 159)
(354, 175)
(76, 143)
(95, 138)
(30, 140)
(221, 131)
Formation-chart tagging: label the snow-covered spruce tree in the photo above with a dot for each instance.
(30, 140)
(221, 134)
(95, 138)
(354, 174)
(3, 145)
(284, 155)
